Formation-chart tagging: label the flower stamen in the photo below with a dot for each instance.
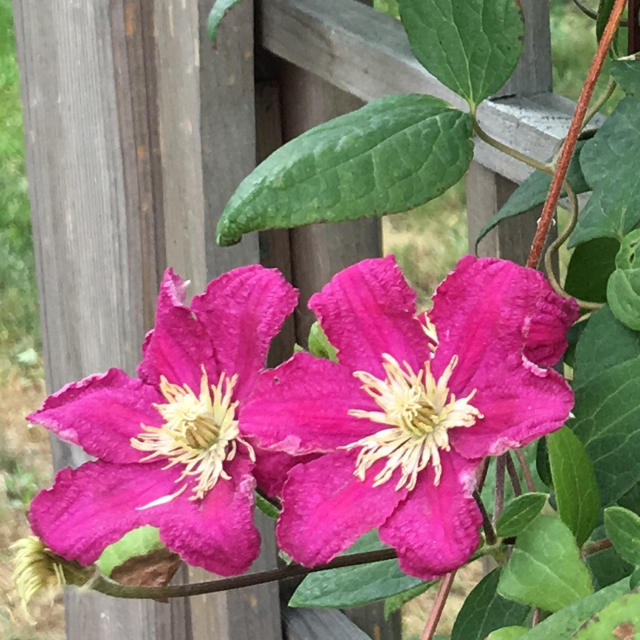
(418, 411)
(200, 432)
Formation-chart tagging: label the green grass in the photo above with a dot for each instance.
(19, 329)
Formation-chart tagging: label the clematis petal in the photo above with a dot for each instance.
(369, 309)
(101, 414)
(520, 403)
(272, 468)
(178, 346)
(303, 406)
(95, 505)
(435, 530)
(489, 309)
(242, 311)
(326, 508)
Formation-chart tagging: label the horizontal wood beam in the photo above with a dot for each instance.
(366, 54)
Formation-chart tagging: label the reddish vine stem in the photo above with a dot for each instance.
(560, 173)
(438, 606)
(528, 477)
(513, 476)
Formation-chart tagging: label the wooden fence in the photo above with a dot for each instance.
(137, 134)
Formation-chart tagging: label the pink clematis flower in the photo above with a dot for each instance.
(413, 406)
(170, 447)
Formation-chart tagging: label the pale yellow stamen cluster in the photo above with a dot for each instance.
(200, 432)
(419, 411)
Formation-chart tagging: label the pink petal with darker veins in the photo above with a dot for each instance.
(179, 346)
(368, 310)
(520, 403)
(303, 406)
(435, 530)
(487, 310)
(243, 310)
(272, 468)
(94, 506)
(101, 414)
(326, 508)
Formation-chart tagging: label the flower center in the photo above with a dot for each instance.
(200, 432)
(418, 411)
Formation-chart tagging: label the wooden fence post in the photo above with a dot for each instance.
(136, 135)
(488, 191)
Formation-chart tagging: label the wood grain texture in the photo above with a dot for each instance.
(319, 624)
(86, 77)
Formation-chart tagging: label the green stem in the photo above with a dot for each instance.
(574, 210)
(514, 153)
(600, 102)
(111, 588)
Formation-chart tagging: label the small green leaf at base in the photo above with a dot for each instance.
(395, 603)
(471, 46)
(268, 508)
(485, 610)
(574, 482)
(217, 15)
(319, 344)
(390, 156)
(520, 513)
(135, 543)
(623, 529)
(545, 569)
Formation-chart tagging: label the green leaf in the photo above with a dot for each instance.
(217, 15)
(614, 207)
(607, 418)
(395, 603)
(484, 611)
(574, 483)
(545, 569)
(471, 46)
(618, 620)
(590, 267)
(354, 586)
(508, 633)
(542, 462)
(623, 529)
(533, 192)
(623, 290)
(635, 579)
(390, 156)
(138, 542)
(319, 344)
(268, 508)
(627, 74)
(605, 343)
(563, 624)
(520, 513)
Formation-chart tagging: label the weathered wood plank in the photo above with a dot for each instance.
(319, 624)
(85, 78)
(367, 55)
